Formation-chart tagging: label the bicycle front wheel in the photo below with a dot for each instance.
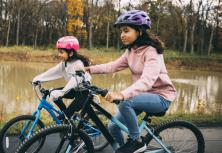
(16, 130)
(58, 140)
(179, 137)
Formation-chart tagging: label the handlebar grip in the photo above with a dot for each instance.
(80, 73)
(36, 83)
(116, 101)
(104, 92)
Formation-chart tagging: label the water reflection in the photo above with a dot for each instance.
(198, 92)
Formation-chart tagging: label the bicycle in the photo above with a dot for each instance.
(20, 128)
(67, 139)
(188, 139)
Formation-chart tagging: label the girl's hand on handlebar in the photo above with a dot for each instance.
(111, 96)
(36, 83)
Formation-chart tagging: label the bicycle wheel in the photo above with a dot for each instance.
(98, 139)
(58, 140)
(11, 135)
(179, 137)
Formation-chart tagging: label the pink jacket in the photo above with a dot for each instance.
(148, 70)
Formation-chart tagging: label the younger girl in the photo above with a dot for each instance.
(152, 90)
(71, 61)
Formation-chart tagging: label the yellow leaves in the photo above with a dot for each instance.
(75, 7)
(75, 23)
(75, 14)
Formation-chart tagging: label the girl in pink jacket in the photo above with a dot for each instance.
(152, 90)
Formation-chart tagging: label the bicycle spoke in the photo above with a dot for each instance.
(180, 137)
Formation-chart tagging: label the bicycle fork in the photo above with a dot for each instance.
(37, 114)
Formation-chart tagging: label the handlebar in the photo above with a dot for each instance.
(43, 93)
(116, 102)
(100, 91)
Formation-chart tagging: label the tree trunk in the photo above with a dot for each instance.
(185, 35)
(1, 23)
(36, 37)
(192, 38)
(90, 36)
(18, 26)
(202, 41)
(107, 35)
(210, 42)
(185, 41)
(8, 31)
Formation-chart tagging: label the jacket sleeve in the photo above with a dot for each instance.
(149, 75)
(115, 66)
(51, 74)
(73, 81)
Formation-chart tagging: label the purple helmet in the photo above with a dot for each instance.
(134, 17)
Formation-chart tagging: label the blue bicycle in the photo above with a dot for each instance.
(20, 128)
(175, 136)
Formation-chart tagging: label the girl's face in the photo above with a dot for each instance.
(128, 35)
(63, 55)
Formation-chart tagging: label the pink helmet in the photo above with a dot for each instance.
(68, 42)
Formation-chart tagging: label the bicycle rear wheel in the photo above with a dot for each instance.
(11, 136)
(58, 140)
(178, 136)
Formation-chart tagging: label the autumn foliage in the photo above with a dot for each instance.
(75, 15)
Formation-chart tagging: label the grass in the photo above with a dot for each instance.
(203, 120)
(198, 119)
(95, 52)
(98, 55)
(27, 50)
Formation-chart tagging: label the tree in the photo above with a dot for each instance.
(75, 16)
(193, 20)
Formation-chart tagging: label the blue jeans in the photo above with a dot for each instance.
(129, 109)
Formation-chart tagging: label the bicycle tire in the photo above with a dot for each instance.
(172, 127)
(60, 131)
(10, 134)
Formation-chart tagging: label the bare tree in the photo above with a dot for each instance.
(214, 20)
(9, 16)
(194, 18)
(184, 21)
(108, 3)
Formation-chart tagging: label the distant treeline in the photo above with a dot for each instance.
(194, 27)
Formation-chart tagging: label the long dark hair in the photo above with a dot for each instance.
(76, 55)
(146, 39)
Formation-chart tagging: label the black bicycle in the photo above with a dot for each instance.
(175, 136)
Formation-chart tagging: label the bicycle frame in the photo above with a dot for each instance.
(89, 110)
(50, 108)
